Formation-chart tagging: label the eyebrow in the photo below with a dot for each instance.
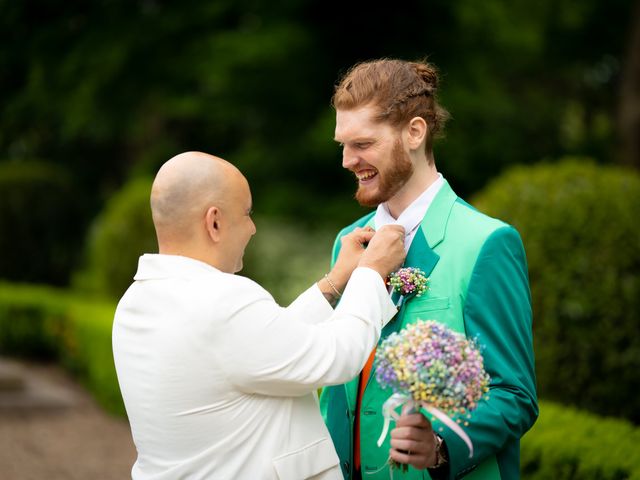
(363, 138)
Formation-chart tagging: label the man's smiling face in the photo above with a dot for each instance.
(373, 151)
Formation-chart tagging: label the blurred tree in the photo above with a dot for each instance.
(40, 231)
(523, 81)
(112, 88)
(629, 113)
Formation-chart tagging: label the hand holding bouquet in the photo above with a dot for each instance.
(429, 365)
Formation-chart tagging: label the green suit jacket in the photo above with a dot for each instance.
(478, 284)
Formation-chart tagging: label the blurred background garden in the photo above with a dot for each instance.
(545, 134)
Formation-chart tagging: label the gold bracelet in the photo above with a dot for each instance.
(333, 287)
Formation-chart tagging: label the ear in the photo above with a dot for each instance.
(416, 132)
(212, 223)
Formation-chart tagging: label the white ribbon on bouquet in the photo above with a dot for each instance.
(398, 399)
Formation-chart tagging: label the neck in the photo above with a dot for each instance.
(190, 251)
(422, 178)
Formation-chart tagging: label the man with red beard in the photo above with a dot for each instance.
(387, 117)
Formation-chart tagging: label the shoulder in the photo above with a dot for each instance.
(240, 284)
(478, 234)
(230, 290)
(478, 224)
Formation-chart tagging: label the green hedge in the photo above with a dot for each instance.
(50, 324)
(568, 444)
(579, 223)
(120, 234)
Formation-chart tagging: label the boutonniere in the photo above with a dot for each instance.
(408, 281)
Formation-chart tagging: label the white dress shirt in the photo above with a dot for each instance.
(412, 216)
(219, 381)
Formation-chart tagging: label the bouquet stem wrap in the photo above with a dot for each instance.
(398, 399)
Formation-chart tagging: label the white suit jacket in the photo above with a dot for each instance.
(219, 381)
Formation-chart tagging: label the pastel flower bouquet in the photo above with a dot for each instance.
(429, 365)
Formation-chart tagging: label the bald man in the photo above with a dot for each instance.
(218, 380)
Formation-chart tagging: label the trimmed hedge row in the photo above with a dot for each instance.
(50, 324)
(569, 444)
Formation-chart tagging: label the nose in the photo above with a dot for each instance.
(349, 159)
(253, 225)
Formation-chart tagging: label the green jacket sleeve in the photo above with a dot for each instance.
(497, 311)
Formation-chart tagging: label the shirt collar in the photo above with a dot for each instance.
(412, 216)
(155, 266)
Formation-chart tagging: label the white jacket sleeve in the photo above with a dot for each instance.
(310, 306)
(269, 351)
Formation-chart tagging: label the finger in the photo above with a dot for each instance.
(359, 235)
(365, 236)
(408, 446)
(352, 234)
(408, 457)
(400, 457)
(411, 433)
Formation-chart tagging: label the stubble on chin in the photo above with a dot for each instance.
(390, 181)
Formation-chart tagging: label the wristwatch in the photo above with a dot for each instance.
(441, 451)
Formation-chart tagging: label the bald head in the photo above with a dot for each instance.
(185, 187)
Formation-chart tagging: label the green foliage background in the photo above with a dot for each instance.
(110, 89)
(117, 238)
(96, 95)
(570, 444)
(41, 231)
(579, 225)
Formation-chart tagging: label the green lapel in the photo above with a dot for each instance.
(420, 255)
(428, 236)
(434, 224)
